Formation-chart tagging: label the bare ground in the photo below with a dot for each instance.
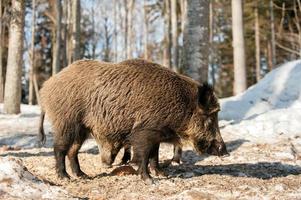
(254, 170)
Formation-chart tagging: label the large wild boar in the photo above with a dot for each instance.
(135, 102)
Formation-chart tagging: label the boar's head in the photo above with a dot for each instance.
(203, 130)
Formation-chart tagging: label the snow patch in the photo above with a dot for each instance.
(16, 181)
(268, 109)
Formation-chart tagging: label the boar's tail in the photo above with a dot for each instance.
(41, 136)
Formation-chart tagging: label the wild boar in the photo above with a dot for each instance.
(135, 102)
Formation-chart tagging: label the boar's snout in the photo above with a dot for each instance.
(218, 148)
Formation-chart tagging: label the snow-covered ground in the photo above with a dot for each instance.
(268, 109)
(17, 182)
(261, 127)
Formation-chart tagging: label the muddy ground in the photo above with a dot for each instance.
(253, 171)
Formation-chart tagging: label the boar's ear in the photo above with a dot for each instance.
(206, 97)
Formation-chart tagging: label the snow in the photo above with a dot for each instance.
(16, 181)
(268, 109)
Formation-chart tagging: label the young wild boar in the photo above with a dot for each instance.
(135, 102)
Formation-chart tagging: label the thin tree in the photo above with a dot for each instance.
(57, 42)
(1, 58)
(211, 50)
(64, 33)
(32, 68)
(175, 33)
(76, 15)
(125, 25)
(12, 98)
(257, 42)
(130, 5)
(167, 35)
(196, 40)
(145, 29)
(240, 80)
(273, 40)
(115, 32)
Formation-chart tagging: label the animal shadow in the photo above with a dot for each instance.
(261, 170)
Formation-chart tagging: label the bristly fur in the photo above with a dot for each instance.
(111, 101)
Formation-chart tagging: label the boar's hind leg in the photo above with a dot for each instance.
(60, 147)
(73, 152)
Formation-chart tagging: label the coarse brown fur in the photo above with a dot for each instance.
(125, 103)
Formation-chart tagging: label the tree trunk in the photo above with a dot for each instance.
(76, 12)
(269, 55)
(196, 40)
(106, 57)
(174, 25)
(240, 79)
(69, 32)
(145, 30)
(257, 43)
(65, 35)
(115, 32)
(126, 28)
(273, 40)
(57, 43)
(1, 58)
(167, 35)
(211, 50)
(12, 98)
(32, 69)
(130, 9)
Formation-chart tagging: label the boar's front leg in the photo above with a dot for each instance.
(154, 161)
(145, 144)
(177, 153)
(126, 155)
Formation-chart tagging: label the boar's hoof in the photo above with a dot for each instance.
(148, 180)
(172, 162)
(123, 162)
(63, 176)
(159, 172)
(82, 175)
(175, 161)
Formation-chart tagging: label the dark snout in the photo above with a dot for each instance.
(217, 148)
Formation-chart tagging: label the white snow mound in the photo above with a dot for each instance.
(17, 182)
(269, 108)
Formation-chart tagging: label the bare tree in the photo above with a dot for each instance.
(107, 40)
(196, 40)
(76, 12)
(125, 25)
(57, 36)
(167, 35)
(115, 32)
(145, 29)
(174, 25)
(1, 58)
(257, 42)
(130, 5)
(273, 40)
(12, 98)
(240, 80)
(32, 68)
(64, 33)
